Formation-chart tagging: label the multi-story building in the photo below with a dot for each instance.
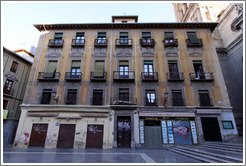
(125, 84)
(228, 40)
(16, 70)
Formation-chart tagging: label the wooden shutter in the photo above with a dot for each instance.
(146, 35)
(124, 63)
(168, 35)
(58, 35)
(76, 64)
(98, 69)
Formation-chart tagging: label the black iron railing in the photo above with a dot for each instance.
(100, 42)
(72, 76)
(170, 42)
(201, 77)
(98, 76)
(194, 42)
(147, 42)
(71, 101)
(48, 76)
(175, 76)
(151, 102)
(78, 42)
(124, 75)
(149, 76)
(124, 42)
(56, 43)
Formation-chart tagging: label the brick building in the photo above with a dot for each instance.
(125, 84)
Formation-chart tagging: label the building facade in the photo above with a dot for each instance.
(228, 39)
(125, 85)
(16, 70)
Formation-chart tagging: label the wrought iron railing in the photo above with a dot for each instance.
(55, 42)
(147, 42)
(151, 102)
(194, 42)
(48, 76)
(170, 42)
(100, 42)
(124, 75)
(72, 76)
(123, 42)
(175, 76)
(201, 76)
(78, 42)
(149, 76)
(98, 76)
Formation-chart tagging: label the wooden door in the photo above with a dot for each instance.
(94, 136)
(66, 136)
(38, 135)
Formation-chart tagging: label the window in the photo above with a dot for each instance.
(199, 74)
(124, 21)
(75, 69)
(124, 69)
(192, 38)
(177, 98)
(8, 86)
(101, 36)
(204, 98)
(71, 96)
(123, 37)
(97, 97)
(50, 69)
(148, 69)
(14, 67)
(58, 38)
(98, 69)
(146, 37)
(173, 69)
(80, 38)
(227, 125)
(5, 104)
(150, 97)
(46, 96)
(168, 35)
(124, 94)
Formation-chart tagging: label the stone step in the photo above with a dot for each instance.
(224, 157)
(192, 156)
(196, 155)
(220, 150)
(223, 148)
(225, 144)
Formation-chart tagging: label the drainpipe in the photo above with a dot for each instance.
(111, 45)
(36, 66)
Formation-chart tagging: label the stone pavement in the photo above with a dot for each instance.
(41, 155)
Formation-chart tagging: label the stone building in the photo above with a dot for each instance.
(16, 70)
(125, 84)
(228, 39)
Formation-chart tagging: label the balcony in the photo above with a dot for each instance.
(201, 77)
(47, 76)
(194, 42)
(56, 43)
(100, 42)
(78, 42)
(151, 102)
(124, 76)
(8, 92)
(70, 76)
(174, 76)
(147, 42)
(69, 101)
(170, 42)
(98, 76)
(149, 76)
(123, 42)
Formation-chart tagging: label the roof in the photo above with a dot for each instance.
(15, 54)
(125, 17)
(23, 50)
(169, 25)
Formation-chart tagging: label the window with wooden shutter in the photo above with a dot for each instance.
(71, 96)
(204, 98)
(177, 98)
(14, 67)
(46, 96)
(50, 69)
(168, 35)
(99, 69)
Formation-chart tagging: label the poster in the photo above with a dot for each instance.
(170, 132)
(182, 132)
(164, 132)
(141, 131)
(193, 131)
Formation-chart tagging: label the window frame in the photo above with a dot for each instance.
(16, 69)
(5, 100)
(5, 86)
(227, 121)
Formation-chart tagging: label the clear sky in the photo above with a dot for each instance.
(18, 18)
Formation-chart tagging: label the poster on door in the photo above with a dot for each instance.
(182, 132)
(193, 132)
(164, 131)
(170, 132)
(141, 123)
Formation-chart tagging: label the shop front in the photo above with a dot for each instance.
(160, 129)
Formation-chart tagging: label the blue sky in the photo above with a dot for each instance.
(18, 18)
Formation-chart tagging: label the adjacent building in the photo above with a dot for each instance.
(228, 40)
(16, 70)
(125, 85)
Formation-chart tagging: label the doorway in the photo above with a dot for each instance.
(38, 135)
(94, 136)
(123, 131)
(66, 136)
(152, 134)
(211, 129)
